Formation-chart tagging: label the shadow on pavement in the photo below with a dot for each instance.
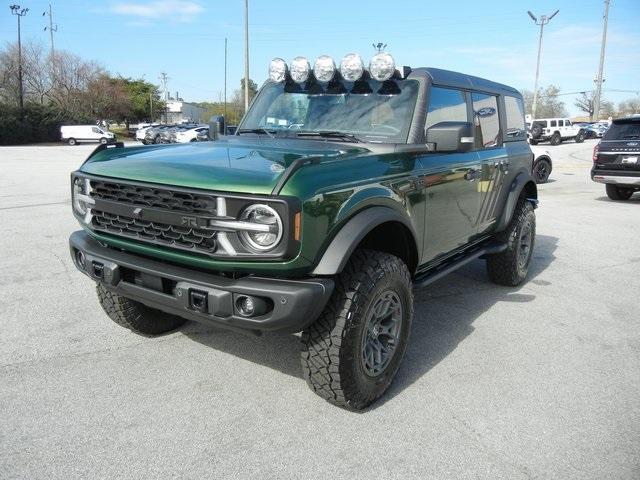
(441, 322)
(635, 198)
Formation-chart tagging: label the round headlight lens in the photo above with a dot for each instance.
(324, 69)
(277, 70)
(270, 232)
(300, 68)
(351, 67)
(382, 66)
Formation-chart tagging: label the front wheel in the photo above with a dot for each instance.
(72, 141)
(103, 141)
(541, 171)
(134, 315)
(351, 354)
(615, 192)
(510, 267)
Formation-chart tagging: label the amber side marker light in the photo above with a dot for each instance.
(296, 226)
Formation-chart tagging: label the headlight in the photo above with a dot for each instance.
(324, 69)
(268, 232)
(351, 67)
(81, 200)
(277, 70)
(382, 66)
(300, 69)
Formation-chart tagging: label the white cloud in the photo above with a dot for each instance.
(178, 10)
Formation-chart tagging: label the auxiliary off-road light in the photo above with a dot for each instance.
(277, 70)
(250, 306)
(324, 69)
(351, 67)
(268, 231)
(299, 69)
(382, 66)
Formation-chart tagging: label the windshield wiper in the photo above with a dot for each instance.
(331, 134)
(262, 131)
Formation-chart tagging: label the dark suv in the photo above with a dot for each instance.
(616, 159)
(342, 190)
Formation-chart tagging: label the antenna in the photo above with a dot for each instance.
(379, 46)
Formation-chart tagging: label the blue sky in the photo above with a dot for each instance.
(493, 39)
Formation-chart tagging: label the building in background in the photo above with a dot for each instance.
(179, 111)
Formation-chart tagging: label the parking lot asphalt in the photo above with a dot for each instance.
(536, 382)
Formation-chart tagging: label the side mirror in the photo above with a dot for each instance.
(451, 136)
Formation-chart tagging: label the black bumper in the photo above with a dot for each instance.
(292, 305)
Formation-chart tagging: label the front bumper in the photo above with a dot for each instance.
(293, 304)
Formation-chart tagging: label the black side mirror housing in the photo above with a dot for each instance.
(451, 136)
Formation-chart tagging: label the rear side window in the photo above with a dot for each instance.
(446, 105)
(623, 131)
(560, 123)
(553, 123)
(516, 129)
(486, 121)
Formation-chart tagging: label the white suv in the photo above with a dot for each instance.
(555, 130)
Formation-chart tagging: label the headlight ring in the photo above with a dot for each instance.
(262, 214)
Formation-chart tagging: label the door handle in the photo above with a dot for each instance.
(472, 175)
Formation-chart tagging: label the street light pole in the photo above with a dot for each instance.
(225, 80)
(246, 55)
(16, 10)
(599, 80)
(542, 21)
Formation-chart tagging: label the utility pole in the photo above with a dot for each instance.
(52, 28)
(163, 79)
(246, 55)
(542, 21)
(599, 80)
(225, 80)
(16, 10)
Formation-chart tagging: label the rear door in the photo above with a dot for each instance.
(492, 155)
(450, 181)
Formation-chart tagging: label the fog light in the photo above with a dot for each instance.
(80, 259)
(246, 306)
(249, 306)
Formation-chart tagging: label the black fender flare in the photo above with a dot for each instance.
(337, 254)
(523, 180)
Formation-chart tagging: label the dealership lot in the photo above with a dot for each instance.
(541, 381)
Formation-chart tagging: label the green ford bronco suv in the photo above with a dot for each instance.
(343, 189)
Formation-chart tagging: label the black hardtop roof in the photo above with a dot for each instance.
(461, 80)
(629, 119)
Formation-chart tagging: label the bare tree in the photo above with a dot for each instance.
(629, 106)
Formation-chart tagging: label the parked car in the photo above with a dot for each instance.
(341, 191)
(616, 159)
(555, 131)
(193, 134)
(74, 134)
(542, 164)
(152, 135)
(142, 130)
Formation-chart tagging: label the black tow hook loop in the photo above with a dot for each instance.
(198, 301)
(98, 270)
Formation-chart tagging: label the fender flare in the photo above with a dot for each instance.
(517, 186)
(337, 254)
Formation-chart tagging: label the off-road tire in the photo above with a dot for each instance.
(332, 345)
(72, 141)
(580, 136)
(536, 130)
(556, 139)
(533, 142)
(614, 192)
(135, 316)
(505, 268)
(541, 171)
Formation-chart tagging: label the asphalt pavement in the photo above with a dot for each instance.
(536, 382)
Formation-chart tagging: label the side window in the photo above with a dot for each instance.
(567, 123)
(446, 105)
(561, 123)
(516, 129)
(95, 130)
(486, 121)
(553, 123)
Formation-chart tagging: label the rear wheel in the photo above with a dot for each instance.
(556, 139)
(135, 316)
(72, 141)
(533, 142)
(541, 171)
(351, 354)
(510, 267)
(614, 192)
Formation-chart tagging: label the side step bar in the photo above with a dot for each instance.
(436, 273)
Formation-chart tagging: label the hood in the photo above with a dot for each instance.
(234, 164)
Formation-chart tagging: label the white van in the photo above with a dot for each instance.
(73, 134)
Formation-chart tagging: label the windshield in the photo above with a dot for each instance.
(381, 113)
(623, 131)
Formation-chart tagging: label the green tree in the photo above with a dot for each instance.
(549, 105)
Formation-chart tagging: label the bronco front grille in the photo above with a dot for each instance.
(183, 237)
